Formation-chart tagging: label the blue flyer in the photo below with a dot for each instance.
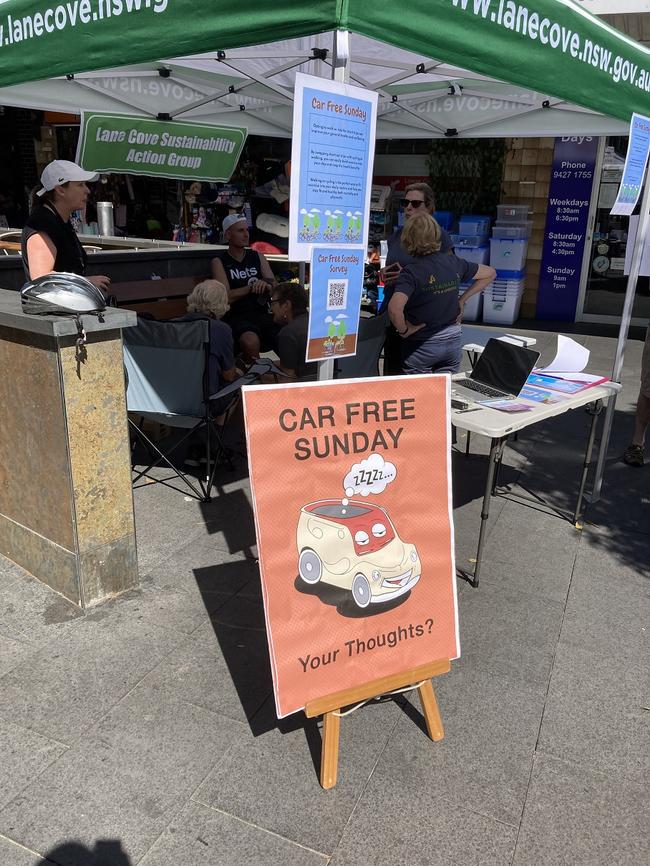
(635, 162)
(334, 302)
(331, 165)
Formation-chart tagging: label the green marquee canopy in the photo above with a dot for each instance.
(552, 47)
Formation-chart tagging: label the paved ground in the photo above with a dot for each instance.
(144, 733)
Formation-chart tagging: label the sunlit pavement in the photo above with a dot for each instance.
(143, 732)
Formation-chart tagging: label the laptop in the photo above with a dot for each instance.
(499, 374)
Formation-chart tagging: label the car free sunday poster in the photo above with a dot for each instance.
(352, 499)
(333, 144)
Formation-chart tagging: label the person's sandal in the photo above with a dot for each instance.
(633, 455)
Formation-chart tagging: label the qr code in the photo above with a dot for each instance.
(337, 294)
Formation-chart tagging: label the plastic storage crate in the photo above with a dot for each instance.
(479, 255)
(471, 224)
(510, 277)
(444, 218)
(516, 224)
(473, 307)
(469, 240)
(507, 254)
(501, 310)
(512, 212)
(513, 232)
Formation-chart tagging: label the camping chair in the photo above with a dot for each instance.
(166, 368)
(370, 342)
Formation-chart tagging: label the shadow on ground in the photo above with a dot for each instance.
(106, 852)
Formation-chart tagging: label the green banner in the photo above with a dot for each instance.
(136, 145)
(551, 46)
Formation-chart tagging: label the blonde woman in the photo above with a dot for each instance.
(425, 308)
(209, 300)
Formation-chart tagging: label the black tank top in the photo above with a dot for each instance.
(241, 274)
(70, 255)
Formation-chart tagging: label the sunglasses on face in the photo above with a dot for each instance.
(271, 302)
(414, 202)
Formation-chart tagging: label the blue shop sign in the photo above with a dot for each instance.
(574, 160)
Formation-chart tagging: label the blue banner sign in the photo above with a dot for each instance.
(635, 162)
(572, 177)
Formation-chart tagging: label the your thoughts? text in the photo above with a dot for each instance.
(358, 646)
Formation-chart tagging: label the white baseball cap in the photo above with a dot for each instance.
(232, 219)
(61, 171)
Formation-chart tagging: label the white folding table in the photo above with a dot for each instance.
(497, 426)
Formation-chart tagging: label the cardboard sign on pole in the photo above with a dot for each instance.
(636, 160)
(352, 499)
(332, 151)
(336, 277)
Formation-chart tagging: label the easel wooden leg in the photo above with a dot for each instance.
(330, 753)
(431, 711)
(329, 707)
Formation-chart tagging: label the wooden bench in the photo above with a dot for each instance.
(163, 299)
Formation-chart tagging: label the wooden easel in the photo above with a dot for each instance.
(329, 707)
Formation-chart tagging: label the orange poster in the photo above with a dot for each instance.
(351, 487)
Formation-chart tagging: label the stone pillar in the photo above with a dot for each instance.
(66, 504)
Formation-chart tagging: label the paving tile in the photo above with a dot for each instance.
(203, 837)
(73, 681)
(165, 522)
(524, 534)
(577, 817)
(104, 852)
(203, 567)
(229, 519)
(126, 780)
(595, 713)
(12, 652)
(30, 611)
(532, 576)
(224, 668)
(12, 854)
(272, 780)
(509, 634)
(398, 821)
(483, 763)
(622, 557)
(24, 755)
(176, 610)
(608, 609)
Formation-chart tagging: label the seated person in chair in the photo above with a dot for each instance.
(209, 300)
(248, 277)
(288, 306)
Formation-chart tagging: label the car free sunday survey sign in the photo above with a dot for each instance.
(352, 500)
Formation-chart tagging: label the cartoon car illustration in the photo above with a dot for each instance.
(355, 546)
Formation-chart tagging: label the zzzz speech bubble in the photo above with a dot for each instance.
(372, 475)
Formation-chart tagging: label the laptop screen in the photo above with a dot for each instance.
(504, 366)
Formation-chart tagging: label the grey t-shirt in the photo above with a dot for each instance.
(292, 347)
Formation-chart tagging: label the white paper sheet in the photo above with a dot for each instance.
(570, 357)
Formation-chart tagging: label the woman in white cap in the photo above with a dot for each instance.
(49, 242)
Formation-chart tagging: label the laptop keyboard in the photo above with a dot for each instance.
(484, 389)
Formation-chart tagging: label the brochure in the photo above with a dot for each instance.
(538, 395)
(565, 386)
(505, 405)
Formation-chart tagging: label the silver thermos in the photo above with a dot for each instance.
(105, 221)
